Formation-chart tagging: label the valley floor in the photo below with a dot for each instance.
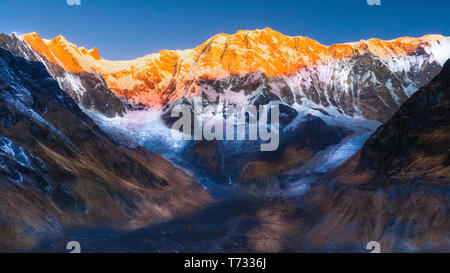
(249, 225)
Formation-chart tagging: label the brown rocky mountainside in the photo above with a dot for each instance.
(311, 135)
(59, 171)
(415, 143)
(396, 190)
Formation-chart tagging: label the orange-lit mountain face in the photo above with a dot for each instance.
(166, 76)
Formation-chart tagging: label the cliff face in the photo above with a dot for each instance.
(367, 78)
(396, 189)
(415, 143)
(58, 170)
(411, 146)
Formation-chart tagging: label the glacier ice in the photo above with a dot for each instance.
(141, 128)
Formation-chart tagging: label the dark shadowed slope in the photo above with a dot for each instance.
(415, 143)
(396, 190)
(58, 170)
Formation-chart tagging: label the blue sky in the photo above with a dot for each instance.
(124, 29)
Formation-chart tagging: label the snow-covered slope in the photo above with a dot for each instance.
(87, 89)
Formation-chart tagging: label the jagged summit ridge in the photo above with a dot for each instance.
(260, 61)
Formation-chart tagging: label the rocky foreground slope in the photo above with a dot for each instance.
(396, 190)
(58, 170)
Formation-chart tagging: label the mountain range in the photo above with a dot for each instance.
(249, 66)
(86, 146)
